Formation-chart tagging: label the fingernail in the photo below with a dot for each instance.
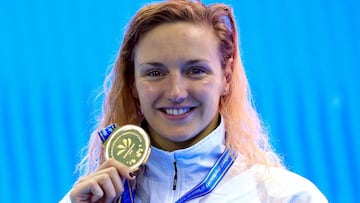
(132, 174)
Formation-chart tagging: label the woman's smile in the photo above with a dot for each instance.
(176, 111)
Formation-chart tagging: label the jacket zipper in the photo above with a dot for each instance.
(175, 176)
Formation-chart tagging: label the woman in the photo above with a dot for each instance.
(180, 77)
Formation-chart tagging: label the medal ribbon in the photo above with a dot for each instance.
(106, 132)
(213, 178)
(128, 194)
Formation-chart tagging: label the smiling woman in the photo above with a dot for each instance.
(179, 76)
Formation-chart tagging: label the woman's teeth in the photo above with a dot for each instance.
(177, 112)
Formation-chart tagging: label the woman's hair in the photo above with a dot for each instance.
(245, 132)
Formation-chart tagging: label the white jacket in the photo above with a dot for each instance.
(242, 183)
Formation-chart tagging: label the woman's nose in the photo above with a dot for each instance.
(177, 90)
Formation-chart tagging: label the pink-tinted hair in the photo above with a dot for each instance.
(245, 132)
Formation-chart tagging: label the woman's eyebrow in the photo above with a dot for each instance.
(195, 61)
(188, 62)
(156, 64)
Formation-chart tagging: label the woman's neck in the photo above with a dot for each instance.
(168, 145)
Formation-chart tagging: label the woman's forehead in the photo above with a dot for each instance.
(177, 39)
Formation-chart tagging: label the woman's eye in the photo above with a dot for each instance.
(196, 72)
(154, 73)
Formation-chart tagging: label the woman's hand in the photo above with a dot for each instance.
(104, 185)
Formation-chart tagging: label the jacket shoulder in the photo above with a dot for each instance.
(282, 184)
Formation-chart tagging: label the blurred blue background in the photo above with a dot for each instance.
(302, 58)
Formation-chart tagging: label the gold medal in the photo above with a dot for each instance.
(128, 144)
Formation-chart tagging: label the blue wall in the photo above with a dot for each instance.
(302, 59)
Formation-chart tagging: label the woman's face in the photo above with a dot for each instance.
(179, 80)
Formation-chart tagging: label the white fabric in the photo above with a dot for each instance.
(242, 183)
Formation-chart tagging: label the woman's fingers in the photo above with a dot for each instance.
(95, 190)
(85, 191)
(122, 169)
(104, 185)
(111, 176)
(108, 187)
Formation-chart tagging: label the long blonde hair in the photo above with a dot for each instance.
(245, 132)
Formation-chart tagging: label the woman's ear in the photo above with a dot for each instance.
(228, 75)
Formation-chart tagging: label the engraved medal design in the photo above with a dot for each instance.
(128, 144)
